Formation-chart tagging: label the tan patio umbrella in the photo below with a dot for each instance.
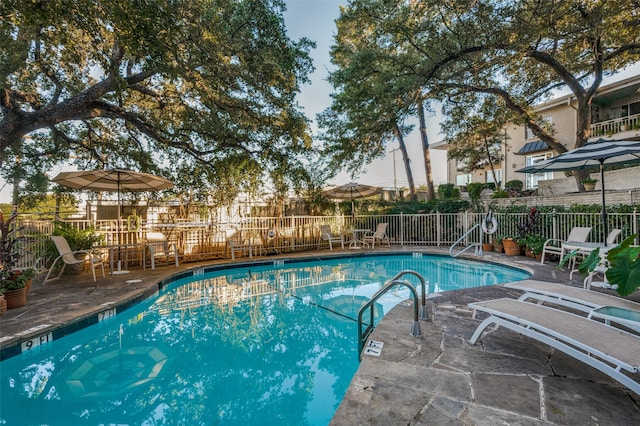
(351, 191)
(113, 180)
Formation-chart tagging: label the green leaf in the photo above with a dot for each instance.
(590, 262)
(624, 267)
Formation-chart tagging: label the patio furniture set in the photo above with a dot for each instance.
(356, 238)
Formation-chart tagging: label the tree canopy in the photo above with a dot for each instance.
(201, 91)
(463, 52)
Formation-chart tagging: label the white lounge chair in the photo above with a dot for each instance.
(327, 235)
(379, 234)
(70, 257)
(569, 296)
(556, 246)
(608, 349)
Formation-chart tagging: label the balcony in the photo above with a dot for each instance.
(629, 124)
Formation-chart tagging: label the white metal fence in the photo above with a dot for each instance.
(270, 235)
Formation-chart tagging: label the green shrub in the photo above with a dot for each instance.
(515, 185)
(448, 191)
(475, 189)
(500, 193)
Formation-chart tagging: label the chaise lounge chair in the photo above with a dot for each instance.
(608, 349)
(569, 296)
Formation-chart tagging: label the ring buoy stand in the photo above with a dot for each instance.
(489, 225)
(133, 223)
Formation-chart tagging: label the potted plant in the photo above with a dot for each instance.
(3, 302)
(533, 244)
(589, 183)
(15, 283)
(511, 246)
(497, 243)
(15, 286)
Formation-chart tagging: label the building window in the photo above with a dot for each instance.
(489, 177)
(548, 122)
(534, 178)
(463, 180)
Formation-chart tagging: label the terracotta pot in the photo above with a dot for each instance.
(3, 304)
(487, 247)
(16, 298)
(511, 247)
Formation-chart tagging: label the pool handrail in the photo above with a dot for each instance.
(476, 246)
(423, 306)
(362, 336)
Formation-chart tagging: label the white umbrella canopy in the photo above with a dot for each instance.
(351, 191)
(113, 180)
(599, 154)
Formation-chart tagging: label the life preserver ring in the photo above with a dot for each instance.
(133, 223)
(490, 225)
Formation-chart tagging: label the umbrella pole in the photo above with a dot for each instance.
(120, 270)
(605, 226)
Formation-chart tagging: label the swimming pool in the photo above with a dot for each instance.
(269, 343)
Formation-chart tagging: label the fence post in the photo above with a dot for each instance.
(554, 225)
(438, 229)
(401, 229)
(635, 224)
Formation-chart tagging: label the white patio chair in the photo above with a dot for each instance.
(239, 244)
(158, 246)
(556, 246)
(379, 234)
(327, 235)
(70, 257)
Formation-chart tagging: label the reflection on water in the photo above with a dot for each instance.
(266, 345)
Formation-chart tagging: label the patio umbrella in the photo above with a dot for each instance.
(113, 180)
(599, 154)
(351, 191)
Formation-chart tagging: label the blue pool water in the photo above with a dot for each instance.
(267, 345)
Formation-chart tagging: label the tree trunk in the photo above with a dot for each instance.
(407, 164)
(583, 131)
(431, 194)
(493, 171)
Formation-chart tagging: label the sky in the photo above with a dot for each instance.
(315, 19)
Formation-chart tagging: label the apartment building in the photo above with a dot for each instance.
(615, 115)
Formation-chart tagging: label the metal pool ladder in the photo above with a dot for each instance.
(476, 246)
(418, 312)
